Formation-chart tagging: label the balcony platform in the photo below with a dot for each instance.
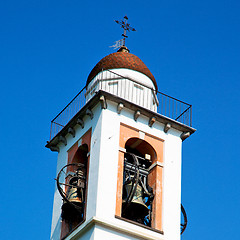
(59, 131)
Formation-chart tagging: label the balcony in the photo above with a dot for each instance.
(130, 90)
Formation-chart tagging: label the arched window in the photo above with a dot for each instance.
(137, 194)
(74, 190)
(140, 178)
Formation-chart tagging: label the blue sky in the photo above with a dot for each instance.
(48, 48)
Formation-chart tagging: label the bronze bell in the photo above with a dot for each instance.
(136, 208)
(75, 197)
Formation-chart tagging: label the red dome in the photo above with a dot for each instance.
(121, 60)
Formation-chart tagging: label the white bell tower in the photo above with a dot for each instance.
(119, 145)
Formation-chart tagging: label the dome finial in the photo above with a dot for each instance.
(123, 49)
(126, 26)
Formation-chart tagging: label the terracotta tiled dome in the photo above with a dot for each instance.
(121, 59)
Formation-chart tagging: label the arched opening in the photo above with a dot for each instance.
(137, 193)
(141, 148)
(74, 192)
(81, 154)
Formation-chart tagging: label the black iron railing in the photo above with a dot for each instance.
(174, 108)
(166, 105)
(61, 120)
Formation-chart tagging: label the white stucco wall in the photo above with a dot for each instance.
(102, 181)
(106, 233)
(172, 185)
(95, 123)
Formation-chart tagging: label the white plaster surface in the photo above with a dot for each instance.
(102, 229)
(102, 181)
(57, 203)
(62, 161)
(172, 186)
(106, 233)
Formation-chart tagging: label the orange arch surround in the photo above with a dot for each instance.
(142, 147)
(78, 154)
(145, 144)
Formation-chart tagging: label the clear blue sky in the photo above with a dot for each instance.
(48, 48)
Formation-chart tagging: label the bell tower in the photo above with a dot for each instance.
(119, 147)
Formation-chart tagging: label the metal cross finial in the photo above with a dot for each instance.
(126, 27)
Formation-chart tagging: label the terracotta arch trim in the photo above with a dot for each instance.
(85, 139)
(155, 175)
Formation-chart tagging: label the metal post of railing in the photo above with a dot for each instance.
(180, 111)
(191, 116)
(164, 102)
(162, 105)
(51, 132)
(172, 109)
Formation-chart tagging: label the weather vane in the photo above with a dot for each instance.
(126, 27)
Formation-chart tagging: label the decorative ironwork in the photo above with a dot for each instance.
(71, 181)
(118, 44)
(184, 223)
(126, 27)
(60, 121)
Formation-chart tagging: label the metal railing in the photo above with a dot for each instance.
(174, 108)
(164, 104)
(61, 120)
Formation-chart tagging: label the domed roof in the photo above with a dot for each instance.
(121, 59)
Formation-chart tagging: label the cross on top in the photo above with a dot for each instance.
(126, 27)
